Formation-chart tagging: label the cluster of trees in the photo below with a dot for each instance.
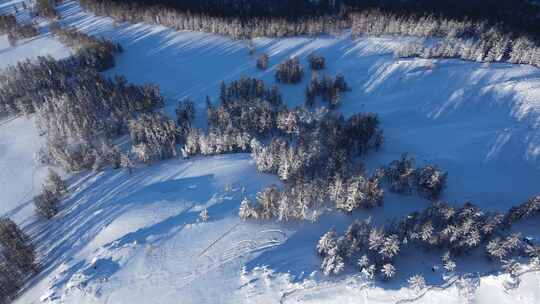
(301, 200)
(78, 109)
(290, 71)
(16, 31)
(402, 176)
(92, 51)
(17, 259)
(7, 23)
(242, 9)
(306, 199)
(154, 137)
(54, 188)
(237, 27)
(440, 227)
(46, 8)
(312, 152)
(328, 88)
(518, 15)
(521, 50)
(523, 211)
(317, 143)
(247, 110)
(372, 249)
(316, 63)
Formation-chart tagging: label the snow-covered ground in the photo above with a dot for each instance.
(124, 238)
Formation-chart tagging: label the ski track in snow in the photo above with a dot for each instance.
(136, 239)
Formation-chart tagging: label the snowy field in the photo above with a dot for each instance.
(136, 238)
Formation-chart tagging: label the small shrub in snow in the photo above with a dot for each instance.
(417, 282)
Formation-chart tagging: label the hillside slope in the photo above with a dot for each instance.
(137, 238)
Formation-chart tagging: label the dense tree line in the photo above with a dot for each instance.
(290, 71)
(17, 259)
(54, 188)
(403, 177)
(440, 227)
(248, 109)
(475, 39)
(308, 150)
(263, 61)
(518, 15)
(234, 26)
(92, 51)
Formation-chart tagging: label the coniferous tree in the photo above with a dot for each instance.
(417, 282)
(246, 210)
(47, 203)
(316, 62)
(17, 249)
(388, 271)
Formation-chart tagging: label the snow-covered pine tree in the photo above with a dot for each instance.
(127, 163)
(246, 210)
(17, 249)
(55, 183)
(46, 203)
(332, 263)
(388, 271)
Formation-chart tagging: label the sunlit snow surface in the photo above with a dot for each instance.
(124, 238)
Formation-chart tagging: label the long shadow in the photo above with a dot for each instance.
(101, 199)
